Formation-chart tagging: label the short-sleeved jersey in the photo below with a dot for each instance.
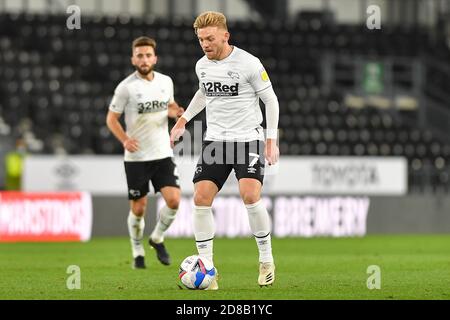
(145, 104)
(231, 86)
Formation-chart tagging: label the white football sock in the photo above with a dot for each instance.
(136, 227)
(259, 220)
(204, 231)
(166, 217)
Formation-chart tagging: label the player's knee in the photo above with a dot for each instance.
(173, 202)
(138, 211)
(202, 199)
(250, 197)
(138, 208)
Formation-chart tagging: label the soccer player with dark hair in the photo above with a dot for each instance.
(146, 97)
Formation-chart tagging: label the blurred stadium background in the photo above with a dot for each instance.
(364, 113)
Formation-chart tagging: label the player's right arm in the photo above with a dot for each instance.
(118, 103)
(112, 121)
(198, 103)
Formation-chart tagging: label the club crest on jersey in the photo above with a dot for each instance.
(233, 75)
(217, 89)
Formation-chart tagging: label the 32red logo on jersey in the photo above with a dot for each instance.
(217, 89)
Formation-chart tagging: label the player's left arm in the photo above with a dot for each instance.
(270, 100)
(175, 111)
(260, 81)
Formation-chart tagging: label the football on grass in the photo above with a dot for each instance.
(196, 272)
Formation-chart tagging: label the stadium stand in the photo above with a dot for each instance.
(57, 84)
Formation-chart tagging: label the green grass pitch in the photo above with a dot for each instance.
(412, 267)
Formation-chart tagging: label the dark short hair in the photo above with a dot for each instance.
(143, 42)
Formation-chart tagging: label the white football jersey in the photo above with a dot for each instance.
(232, 105)
(145, 104)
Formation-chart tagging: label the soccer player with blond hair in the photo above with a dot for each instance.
(146, 97)
(231, 83)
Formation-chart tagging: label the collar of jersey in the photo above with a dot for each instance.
(136, 73)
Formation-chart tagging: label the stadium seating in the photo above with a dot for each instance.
(62, 80)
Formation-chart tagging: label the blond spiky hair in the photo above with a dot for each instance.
(210, 19)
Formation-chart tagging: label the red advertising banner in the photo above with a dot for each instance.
(45, 217)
